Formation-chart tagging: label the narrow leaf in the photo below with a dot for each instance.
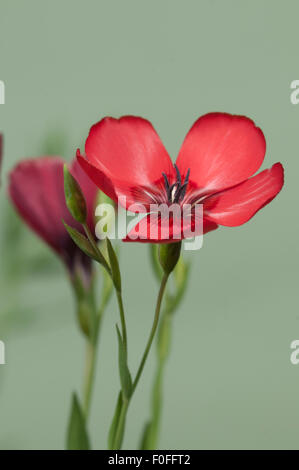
(81, 241)
(124, 373)
(77, 438)
(113, 427)
(144, 436)
(116, 277)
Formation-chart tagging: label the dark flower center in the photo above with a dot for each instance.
(176, 191)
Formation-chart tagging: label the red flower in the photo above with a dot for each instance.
(214, 167)
(37, 191)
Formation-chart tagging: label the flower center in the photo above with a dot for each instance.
(176, 191)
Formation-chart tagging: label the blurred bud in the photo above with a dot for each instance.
(169, 254)
(74, 198)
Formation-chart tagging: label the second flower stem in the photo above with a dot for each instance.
(90, 363)
(153, 330)
(123, 413)
(102, 260)
(122, 319)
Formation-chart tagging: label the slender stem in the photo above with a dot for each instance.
(121, 426)
(122, 319)
(102, 260)
(122, 419)
(100, 256)
(153, 330)
(152, 433)
(90, 361)
(89, 376)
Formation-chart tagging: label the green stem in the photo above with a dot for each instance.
(100, 256)
(102, 260)
(152, 431)
(89, 376)
(153, 330)
(123, 413)
(90, 361)
(121, 426)
(122, 319)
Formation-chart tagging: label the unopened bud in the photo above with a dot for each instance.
(169, 254)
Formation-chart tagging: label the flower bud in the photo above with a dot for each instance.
(169, 254)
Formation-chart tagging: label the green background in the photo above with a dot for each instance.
(66, 64)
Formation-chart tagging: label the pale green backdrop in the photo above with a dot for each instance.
(68, 63)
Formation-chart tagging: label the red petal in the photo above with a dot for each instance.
(97, 176)
(221, 150)
(128, 155)
(143, 228)
(237, 205)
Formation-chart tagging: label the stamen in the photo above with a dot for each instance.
(167, 187)
(181, 192)
(176, 192)
(178, 175)
(187, 177)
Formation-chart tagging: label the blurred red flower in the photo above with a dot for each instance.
(36, 189)
(221, 152)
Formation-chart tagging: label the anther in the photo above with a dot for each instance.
(177, 190)
(178, 175)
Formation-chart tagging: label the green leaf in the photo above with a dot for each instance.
(116, 277)
(113, 427)
(144, 436)
(81, 241)
(74, 197)
(124, 373)
(77, 438)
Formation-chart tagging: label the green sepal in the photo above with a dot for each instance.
(169, 254)
(74, 197)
